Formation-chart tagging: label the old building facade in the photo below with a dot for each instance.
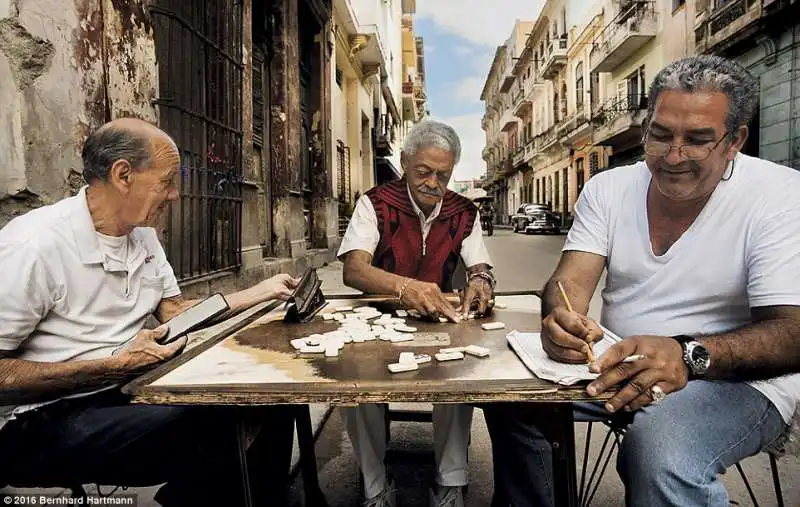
(764, 36)
(259, 97)
(573, 101)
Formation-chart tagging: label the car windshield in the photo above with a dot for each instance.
(534, 208)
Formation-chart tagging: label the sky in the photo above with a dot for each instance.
(461, 37)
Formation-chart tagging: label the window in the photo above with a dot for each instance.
(676, 4)
(339, 77)
(579, 87)
(594, 163)
(579, 175)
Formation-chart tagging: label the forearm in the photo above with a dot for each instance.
(758, 351)
(24, 381)
(371, 280)
(578, 296)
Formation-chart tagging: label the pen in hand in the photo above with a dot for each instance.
(590, 352)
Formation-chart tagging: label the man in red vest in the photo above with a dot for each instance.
(406, 238)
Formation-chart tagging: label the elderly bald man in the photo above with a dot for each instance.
(80, 278)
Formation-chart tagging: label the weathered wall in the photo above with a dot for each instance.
(42, 96)
(56, 86)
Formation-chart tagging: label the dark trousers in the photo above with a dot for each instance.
(194, 450)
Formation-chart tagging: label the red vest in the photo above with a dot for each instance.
(399, 250)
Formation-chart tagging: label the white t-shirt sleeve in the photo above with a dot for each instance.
(589, 231)
(773, 260)
(473, 248)
(362, 231)
(27, 293)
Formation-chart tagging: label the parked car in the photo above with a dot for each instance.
(535, 218)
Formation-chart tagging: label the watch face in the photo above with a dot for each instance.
(699, 357)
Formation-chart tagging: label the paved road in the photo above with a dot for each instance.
(523, 262)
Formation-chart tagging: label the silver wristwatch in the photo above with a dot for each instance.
(695, 355)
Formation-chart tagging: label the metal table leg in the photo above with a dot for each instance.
(241, 444)
(562, 439)
(556, 422)
(308, 458)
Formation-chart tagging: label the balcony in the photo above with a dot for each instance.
(576, 128)
(634, 26)
(726, 24)
(384, 135)
(548, 138)
(507, 80)
(619, 120)
(522, 104)
(508, 122)
(412, 94)
(519, 157)
(555, 59)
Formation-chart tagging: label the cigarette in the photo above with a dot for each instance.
(635, 357)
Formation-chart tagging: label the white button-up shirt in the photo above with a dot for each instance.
(363, 234)
(62, 298)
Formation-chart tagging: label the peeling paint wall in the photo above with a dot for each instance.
(65, 68)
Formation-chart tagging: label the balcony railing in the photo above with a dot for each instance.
(726, 14)
(555, 58)
(619, 118)
(617, 106)
(726, 21)
(634, 25)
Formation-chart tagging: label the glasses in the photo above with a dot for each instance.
(687, 151)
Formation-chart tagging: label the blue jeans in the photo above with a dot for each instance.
(102, 439)
(671, 454)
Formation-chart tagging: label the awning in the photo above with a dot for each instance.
(385, 171)
(474, 193)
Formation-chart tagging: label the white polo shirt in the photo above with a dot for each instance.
(62, 298)
(363, 234)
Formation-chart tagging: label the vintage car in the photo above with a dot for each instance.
(535, 218)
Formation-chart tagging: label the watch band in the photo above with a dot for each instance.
(683, 338)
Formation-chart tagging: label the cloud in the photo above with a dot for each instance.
(479, 21)
(463, 51)
(468, 126)
(469, 89)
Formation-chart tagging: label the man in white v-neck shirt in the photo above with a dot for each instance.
(702, 250)
(80, 278)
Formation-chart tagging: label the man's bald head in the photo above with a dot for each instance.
(130, 139)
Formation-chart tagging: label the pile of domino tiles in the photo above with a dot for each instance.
(356, 325)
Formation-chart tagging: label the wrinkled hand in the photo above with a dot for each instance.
(663, 366)
(427, 299)
(144, 350)
(476, 296)
(566, 335)
(278, 287)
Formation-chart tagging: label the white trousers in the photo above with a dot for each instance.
(451, 428)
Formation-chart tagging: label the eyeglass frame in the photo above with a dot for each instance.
(682, 146)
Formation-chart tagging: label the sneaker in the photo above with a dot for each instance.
(385, 498)
(446, 496)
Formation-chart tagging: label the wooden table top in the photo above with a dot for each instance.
(257, 365)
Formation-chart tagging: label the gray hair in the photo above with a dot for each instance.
(108, 144)
(711, 73)
(433, 134)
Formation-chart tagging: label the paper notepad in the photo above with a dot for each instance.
(528, 346)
